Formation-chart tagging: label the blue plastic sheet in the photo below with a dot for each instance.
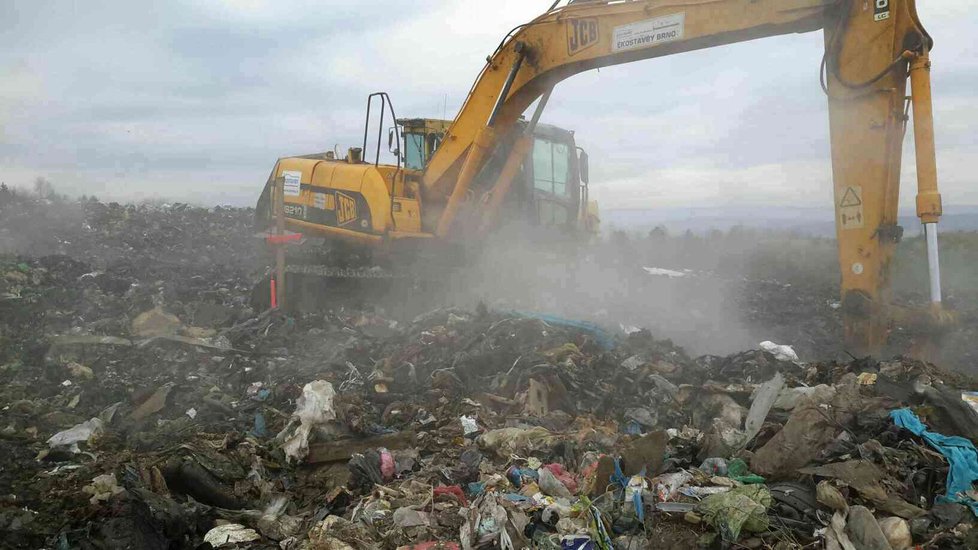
(633, 428)
(598, 527)
(260, 429)
(639, 507)
(475, 488)
(961, 455)
(618, 477)
(601, 336)
(516, 475)
(577, 542)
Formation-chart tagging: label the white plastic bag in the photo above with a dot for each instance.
(469, 425)
(230, 534)
(780, 352)
(667, 486)
(315, 407)
(79, 433)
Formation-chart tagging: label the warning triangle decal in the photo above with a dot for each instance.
(850, 198)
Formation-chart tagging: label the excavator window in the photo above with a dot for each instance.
(418, 149)
(434, 140)
(414, 157)
(552, 213)
(551, 166)
(552, 186)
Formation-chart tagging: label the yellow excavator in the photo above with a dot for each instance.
(344, 241)
(454, 183)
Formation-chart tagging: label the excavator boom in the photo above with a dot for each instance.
(872, 48)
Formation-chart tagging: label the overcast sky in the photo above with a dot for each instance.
(194, 100)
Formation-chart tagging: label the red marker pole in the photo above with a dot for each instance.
(280, 248)
(274, 296)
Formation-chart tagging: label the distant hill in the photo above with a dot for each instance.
(807, 221)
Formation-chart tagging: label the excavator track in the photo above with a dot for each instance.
(321, 277)
(336, 272)
(315, 287)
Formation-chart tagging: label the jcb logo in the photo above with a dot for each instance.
(346, 209)
(882, 10)
(581, 34)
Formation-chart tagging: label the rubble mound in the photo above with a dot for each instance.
(145, 404)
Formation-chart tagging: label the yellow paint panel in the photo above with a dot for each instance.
(407, 215)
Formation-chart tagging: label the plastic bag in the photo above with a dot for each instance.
(79, 433)
(230, 534)
(737, 509)
(780, 352)
(550, 485)
(469, 425)
(667, 486)
(365, 470)
(314, 407)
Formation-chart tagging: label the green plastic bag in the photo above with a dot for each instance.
(737, 471)
(738, 509)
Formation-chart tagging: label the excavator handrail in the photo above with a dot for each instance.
(385, 100)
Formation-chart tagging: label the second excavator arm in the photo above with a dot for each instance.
(872, 48)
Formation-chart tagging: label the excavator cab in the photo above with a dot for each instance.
(551, 187)
(553, 177)
(421, 138)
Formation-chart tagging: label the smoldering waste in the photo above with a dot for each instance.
(148, 405)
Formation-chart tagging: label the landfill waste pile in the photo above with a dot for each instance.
(146, 404)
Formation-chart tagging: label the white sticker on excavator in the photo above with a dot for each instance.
(292, 182)
(882, 10)
(648, 32)
(851, 208)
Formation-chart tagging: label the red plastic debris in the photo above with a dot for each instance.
(589, 470)
(453, 491)
(387, 467)
(563, 475)
(431, 545)
(282, 239)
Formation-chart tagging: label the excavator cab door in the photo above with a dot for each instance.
(554, 184)
(414, 151)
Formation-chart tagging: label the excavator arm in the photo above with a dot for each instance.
(872, 48)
